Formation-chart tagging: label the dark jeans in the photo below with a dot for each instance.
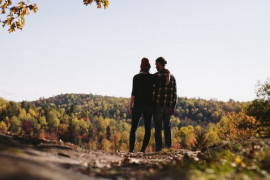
(163, 115)
(137, 112)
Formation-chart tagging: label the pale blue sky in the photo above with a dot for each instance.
(215, 48)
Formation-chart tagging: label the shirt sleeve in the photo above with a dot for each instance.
(174, 92)
(133, 93)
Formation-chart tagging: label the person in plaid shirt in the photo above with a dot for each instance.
(164, 98)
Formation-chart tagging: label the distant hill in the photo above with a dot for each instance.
(89, 104)
(103, 123)
(190, 111)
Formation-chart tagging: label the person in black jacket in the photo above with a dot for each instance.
(141, 102)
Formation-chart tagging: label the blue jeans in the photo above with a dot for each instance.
(162, 115)
(137, 112)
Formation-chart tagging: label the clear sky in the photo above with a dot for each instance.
(215, 48)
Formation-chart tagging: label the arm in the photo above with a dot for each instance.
(131, 104)
(133, 93)
(174, 95)
(168, 76)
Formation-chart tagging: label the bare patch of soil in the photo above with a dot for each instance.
(39, 159)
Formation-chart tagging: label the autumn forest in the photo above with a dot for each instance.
(102, 123)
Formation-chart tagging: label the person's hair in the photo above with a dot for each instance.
(161, 60)
(145, 65)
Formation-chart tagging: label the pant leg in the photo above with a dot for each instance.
(147, 117)
(136, 114)
(167, 127)
(158, 113)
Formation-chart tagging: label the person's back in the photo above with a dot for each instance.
(141, 104)
(143, 89)
(164, 95)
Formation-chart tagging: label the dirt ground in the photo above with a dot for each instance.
(39, 160)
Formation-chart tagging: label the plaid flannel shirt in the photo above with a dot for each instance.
(164, 96)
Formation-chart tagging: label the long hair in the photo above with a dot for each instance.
(145, 65)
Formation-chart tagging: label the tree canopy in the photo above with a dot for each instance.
(260, 107)
(103, 122)
(14, 13)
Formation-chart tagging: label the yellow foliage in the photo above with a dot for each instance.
(32, 112)
(212, 135)
(105, 145)
(92, 145)
(187, 137)
(17, 12)
(3, 126)
(124, 147)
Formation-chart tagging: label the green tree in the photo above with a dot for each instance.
(42, 121)
(35, 126)
(15, 124)
(201, 141)
(2, 108)
(187, 136)
(226, 128)
(212, 134)
(53, 121)
(260, 107)
(12, 109)
(175, 121)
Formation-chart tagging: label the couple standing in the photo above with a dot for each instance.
(152, 95)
